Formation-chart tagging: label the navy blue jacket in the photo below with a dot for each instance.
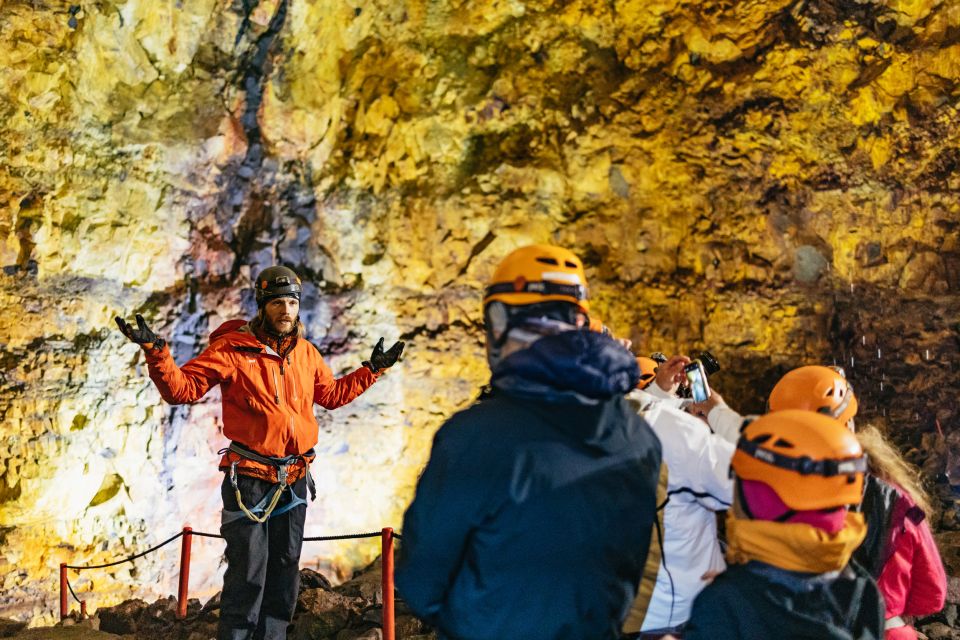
(533, 516)
(756, 601)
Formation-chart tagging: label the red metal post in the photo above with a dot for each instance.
(83, 609)
(63, 590)
(386, 575)
(184, 572)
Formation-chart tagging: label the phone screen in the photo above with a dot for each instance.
(697, 381)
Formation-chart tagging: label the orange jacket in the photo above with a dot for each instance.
(267, 403)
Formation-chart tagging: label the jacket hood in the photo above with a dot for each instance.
(574, 366)
(586, 372)
(235, 327)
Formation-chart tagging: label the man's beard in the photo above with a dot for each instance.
(274, 331)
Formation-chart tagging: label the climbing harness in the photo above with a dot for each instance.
(267, 507)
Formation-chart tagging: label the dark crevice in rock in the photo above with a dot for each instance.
(328, 346)
(244, 211)
(818, 20)
(8, 493)
(425, 332)
(750, 62)
(937, 174)
(735, 117)
(869, 73)
(477, 250)
(248, 8)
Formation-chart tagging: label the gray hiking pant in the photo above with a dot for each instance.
(263, 564)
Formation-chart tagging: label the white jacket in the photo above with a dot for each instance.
(725, 422)
(698, 485)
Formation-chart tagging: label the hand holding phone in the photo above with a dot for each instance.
(697, 381)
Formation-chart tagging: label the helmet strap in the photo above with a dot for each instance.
(542, 287)
(803, 465)
(786, 515)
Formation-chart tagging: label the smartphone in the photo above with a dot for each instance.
(697, 381)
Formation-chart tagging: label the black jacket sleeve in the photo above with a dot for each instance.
(451, 498)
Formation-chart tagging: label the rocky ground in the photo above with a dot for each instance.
(350, 611)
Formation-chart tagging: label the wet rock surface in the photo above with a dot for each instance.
(774, 181)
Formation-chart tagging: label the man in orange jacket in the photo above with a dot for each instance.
(270, 376)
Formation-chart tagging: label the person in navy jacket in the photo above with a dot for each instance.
(533, 516)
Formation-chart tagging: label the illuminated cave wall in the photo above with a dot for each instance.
(776, 181)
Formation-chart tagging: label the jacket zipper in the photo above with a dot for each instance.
(295, 396)
(276, 388)
(290, 423)
(276, 395)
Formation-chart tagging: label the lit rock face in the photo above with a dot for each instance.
(775, 181)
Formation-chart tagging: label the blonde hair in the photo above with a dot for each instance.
(886, 463)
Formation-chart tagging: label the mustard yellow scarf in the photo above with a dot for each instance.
(793, 546)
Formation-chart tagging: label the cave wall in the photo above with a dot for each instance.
(773, 180)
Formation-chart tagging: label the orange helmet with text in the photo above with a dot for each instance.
(648, 371)
(810, 460)
(815, 388)
(539, 273)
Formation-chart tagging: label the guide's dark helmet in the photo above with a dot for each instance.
(276, 282)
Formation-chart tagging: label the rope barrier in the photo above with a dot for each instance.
(386, 535)
(130, 559)
(206, 535)
(375, 534)
(349, 536)
(70, 586)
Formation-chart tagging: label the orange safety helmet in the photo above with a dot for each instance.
(648, 371)
(539, 273)
(810, 460)
(814, 388)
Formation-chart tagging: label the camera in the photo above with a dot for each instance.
(710, 364)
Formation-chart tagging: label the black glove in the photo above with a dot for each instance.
(381, 359)
(142, 335)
